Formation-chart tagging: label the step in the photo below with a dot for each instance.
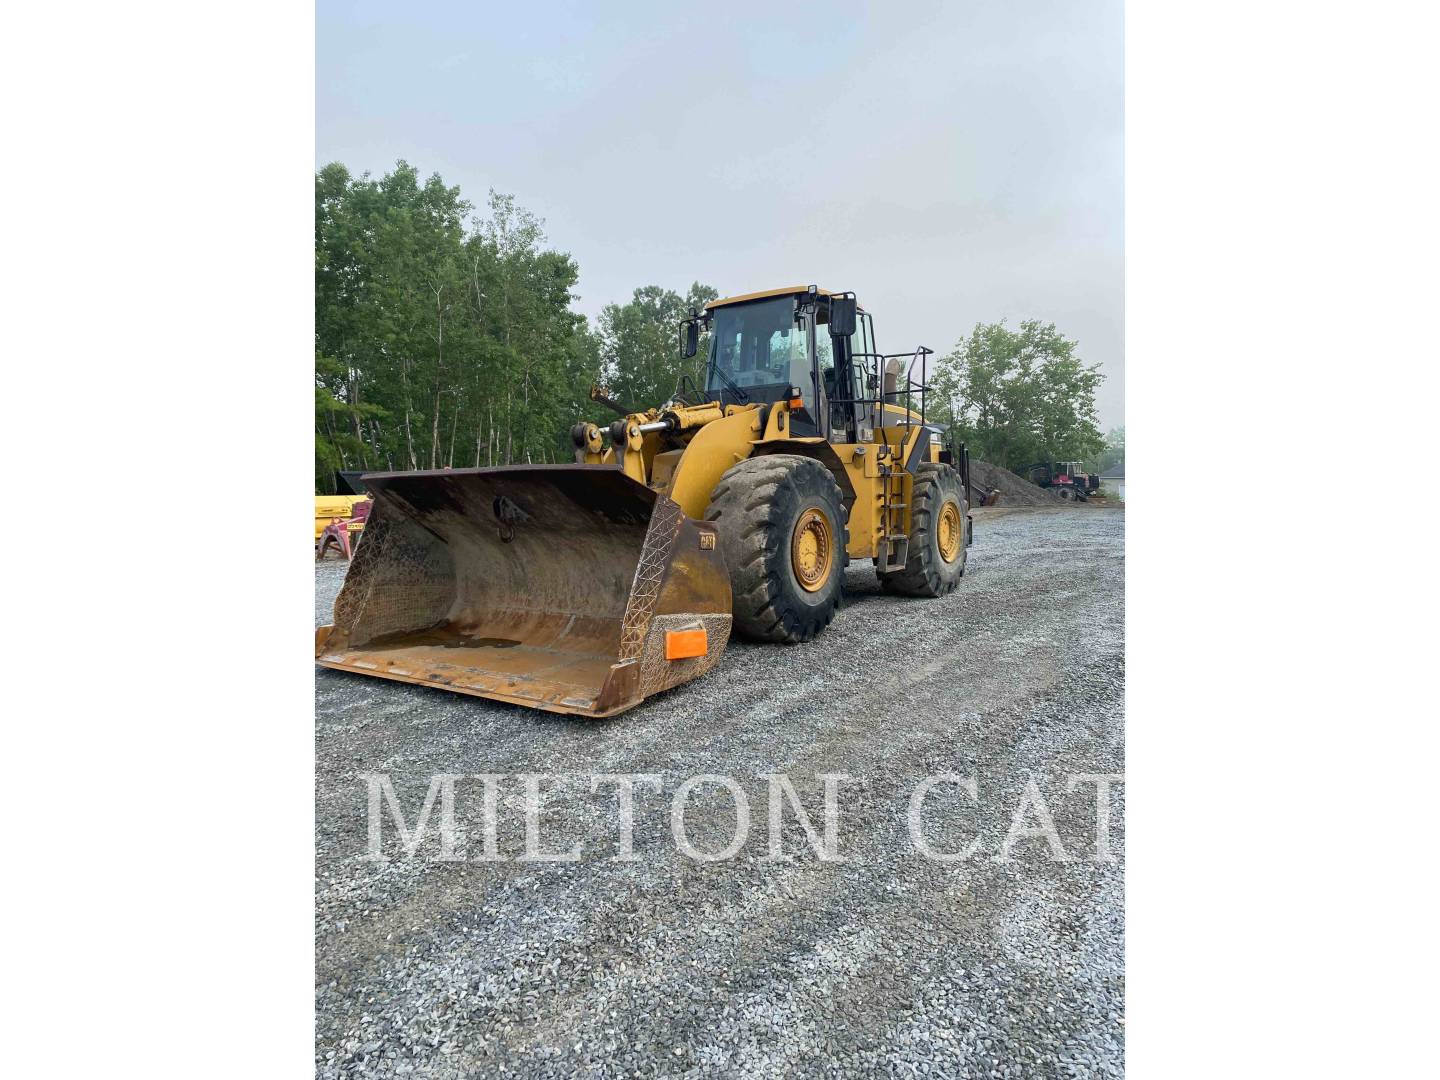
(899, 554)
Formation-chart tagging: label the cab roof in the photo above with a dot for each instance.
(791, 290)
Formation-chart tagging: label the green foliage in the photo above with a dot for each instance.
(640, 344)
(1017, 397)
(335, 419)
(442, 338)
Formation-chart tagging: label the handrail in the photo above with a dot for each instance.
(909, 389)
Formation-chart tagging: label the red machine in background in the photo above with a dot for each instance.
(1068, 478)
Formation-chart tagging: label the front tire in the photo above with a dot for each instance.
(781, 525)
(939, 535)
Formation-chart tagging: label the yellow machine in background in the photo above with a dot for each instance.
(585, 588)
(332, 508)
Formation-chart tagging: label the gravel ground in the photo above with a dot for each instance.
(884, 964)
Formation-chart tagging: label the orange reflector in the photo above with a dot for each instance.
(796, 402)
(680, 644)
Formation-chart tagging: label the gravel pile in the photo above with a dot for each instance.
(1014, 491)
(885, 964)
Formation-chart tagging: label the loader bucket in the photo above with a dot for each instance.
(571, 588)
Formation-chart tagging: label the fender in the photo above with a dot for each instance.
(713, 449)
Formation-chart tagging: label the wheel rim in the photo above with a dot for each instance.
(812, 550)
(951, 532)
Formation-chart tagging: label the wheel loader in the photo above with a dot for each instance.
(733, 507)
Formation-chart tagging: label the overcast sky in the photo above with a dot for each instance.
(950, 162)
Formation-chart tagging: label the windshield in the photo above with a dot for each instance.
(758, 344)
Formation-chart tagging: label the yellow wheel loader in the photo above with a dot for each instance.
(586, 588)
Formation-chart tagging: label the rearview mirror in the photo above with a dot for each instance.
(842, 316)
(690, 344)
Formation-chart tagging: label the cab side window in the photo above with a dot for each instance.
(862, 344)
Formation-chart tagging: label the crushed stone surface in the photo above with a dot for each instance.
(883, 964)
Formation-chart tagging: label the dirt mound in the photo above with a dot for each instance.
(1013, 490)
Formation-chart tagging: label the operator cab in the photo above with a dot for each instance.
(763, 346)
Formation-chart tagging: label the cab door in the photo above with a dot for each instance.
(832, 410)
(865, 367)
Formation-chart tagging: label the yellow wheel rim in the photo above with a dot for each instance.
(952, 532)
(812, 550)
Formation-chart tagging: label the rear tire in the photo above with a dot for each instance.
(781, 523)
(939, 535)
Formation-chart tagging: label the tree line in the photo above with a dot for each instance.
(1020, 396)
(445, 337)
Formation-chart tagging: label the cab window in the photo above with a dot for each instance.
(757, 344)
